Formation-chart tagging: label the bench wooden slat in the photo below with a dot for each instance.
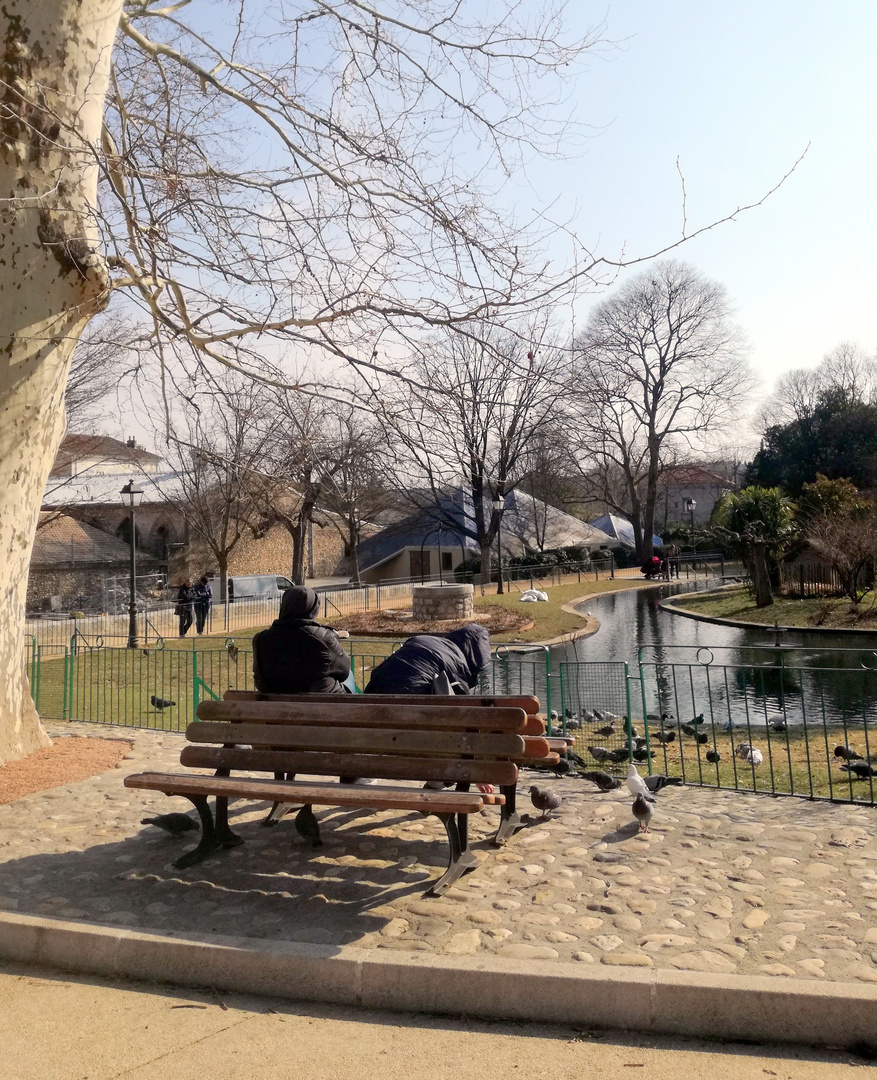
(326, 711)
(366, 765)
(372, 796)
(537, 747)
(527, 702)
(329, 737)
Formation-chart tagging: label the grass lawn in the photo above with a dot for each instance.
(827, 613)
(795, 761)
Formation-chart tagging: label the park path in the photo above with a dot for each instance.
(724, 882)
(59, 1027)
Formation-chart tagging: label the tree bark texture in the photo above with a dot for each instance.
(54, 70)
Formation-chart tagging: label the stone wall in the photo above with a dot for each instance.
(437, 602)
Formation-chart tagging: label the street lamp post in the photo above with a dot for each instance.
(691, 506)
(131, 496)
(498, 504)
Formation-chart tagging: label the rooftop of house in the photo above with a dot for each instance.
(103, 489)
(101, 454)
(64, 541)
(526, 523)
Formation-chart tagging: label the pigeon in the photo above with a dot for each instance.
(603, 780)
(702, 738)
(574, 757)
(619, 755)
(699, 719)
(307, 826)
(555, 716)
(609, 729)
(688, 729)
(599, 753)
(634, 734)
(636, 785)
(567, 713)
(641, 754)
(653, 717)
(777, 725)
(573, 724)
(861, 770)
(714, 756)
(590, 718)
(175, 824)
(232, 651)
(754, 757)
(847, 753)
(664, 736)
(660, 780)
(546, 801)
(642, 811)
(742, 750)
(160, 703)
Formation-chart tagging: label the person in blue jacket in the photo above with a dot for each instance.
(434, 663)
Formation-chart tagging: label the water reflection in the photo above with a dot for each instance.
(734, 676)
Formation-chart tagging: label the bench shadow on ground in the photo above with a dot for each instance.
(273, 887)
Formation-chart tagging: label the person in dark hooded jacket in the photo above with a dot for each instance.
(426, 663)
(296, 655)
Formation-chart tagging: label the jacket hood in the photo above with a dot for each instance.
(299, 602)
(473, 641)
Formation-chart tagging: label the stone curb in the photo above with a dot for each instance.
(756, 1008)
(669, 605)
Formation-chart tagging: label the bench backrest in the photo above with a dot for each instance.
(535, 723)
(418, 740)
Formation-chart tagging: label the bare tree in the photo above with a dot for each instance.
(299, 181)
(291, 479)
(217, 460)
(353, 471)
(293, 182)
(660, 365)
(847, 541)
(470, 414)
(847, 369)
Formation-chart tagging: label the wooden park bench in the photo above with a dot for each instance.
(465, 741)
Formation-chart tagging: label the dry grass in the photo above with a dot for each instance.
(795, 762)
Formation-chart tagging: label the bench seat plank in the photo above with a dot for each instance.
(310, 792)
(366, 765)
(329, 737)
(443, 718)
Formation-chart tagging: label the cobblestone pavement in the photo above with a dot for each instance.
(723, 882)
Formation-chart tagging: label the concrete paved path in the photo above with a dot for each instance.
(54, 1027)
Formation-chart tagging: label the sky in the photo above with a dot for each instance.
(737, 92)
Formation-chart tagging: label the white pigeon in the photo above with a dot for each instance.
(754, 757)
(636, 785)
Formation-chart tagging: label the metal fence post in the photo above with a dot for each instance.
(196, 694)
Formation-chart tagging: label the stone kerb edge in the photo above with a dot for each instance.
(757, 1008)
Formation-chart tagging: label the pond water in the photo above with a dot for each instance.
(733, 675)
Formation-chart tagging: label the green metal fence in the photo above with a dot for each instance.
(808, 719)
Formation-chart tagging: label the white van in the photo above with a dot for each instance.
(256, 587)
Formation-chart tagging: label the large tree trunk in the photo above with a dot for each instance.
(53, 78)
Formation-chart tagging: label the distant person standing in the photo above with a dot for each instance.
(203, 597)
(183, 609)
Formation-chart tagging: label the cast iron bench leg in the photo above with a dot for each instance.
(279, 809)
(510, 819)
(225, 837)
(462, 859)
(210, 840)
